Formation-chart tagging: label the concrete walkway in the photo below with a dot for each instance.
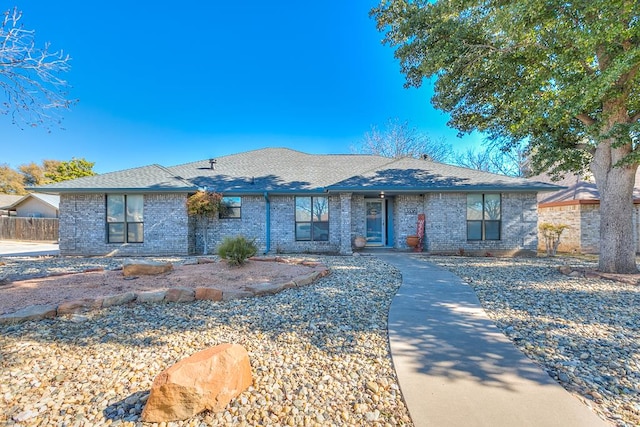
(20, 248)
(454, 366)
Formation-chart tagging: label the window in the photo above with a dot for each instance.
(231, 207)
(124, 218)
(483, 216)
(312, 218)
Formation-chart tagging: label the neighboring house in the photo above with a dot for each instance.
(6, 200)
(289, 201)
(35, 205)
(578, 206)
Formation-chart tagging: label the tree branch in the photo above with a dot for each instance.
(29, 76)
(585, 119)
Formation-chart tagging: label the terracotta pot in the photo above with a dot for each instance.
(360, 242)
(412, 241)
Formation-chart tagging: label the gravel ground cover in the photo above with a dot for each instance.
(319, 354)
(20, 268)
(585, 332)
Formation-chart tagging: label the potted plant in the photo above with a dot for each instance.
(359, 242)
(413, 241)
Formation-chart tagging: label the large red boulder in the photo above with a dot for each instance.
(207, 380)
(145, 267)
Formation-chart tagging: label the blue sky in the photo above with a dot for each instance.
(169, 83)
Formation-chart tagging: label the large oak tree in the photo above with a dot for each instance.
(562, 76)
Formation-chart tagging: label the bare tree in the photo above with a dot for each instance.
(29, 76)
(398, 139)
(514, 162)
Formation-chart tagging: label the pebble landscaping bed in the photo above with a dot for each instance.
(584, 331)
(319, 354)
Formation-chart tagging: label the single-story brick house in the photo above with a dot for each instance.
(577, 205)
(289, 201)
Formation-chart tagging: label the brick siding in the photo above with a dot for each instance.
(583, 233)
(83, 226)
(167, 230)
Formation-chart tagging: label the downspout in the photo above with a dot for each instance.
(268, 219)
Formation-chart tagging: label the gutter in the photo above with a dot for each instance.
(268, 220)
(458, 189)
(128, 190)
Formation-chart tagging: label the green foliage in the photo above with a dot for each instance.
(33, 174)
(11, 181)
(237, 250)
(204, 204)
(74, 168)
(561, 76)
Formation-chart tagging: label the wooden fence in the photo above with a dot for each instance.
(19, 228)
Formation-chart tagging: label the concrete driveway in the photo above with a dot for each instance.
(23, 248)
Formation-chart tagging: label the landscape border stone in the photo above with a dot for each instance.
(567, 270)
(179, 295)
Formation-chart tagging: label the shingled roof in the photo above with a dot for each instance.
(275, 170)
(576, 188)
(282, 170)
(150, 178)
(430, 176)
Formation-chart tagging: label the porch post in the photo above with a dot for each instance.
(345, 224)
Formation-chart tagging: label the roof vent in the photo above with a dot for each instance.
(212, 162)
(425, 156)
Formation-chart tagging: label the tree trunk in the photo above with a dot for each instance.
(615, 185)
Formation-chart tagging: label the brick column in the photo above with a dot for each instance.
(345, 224)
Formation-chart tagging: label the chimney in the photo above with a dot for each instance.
(211, 163)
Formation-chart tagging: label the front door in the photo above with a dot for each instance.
(375, 221)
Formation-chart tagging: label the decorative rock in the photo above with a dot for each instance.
(118, 299)
(207, 380)
(323, 271)
(79, 318)
(202, 260)
(151, 296)
(229, 295)
(32, 312)
(145, 267)
(79, 306)
(266, 258)
(210, 294)
(565, 269)
(290, 284)
(265, 288)
(306, 280)
(180, 295)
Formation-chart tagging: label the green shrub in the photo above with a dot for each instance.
(236, 250)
